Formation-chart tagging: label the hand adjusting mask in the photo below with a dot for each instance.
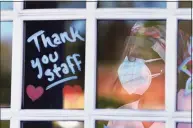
(135, 76)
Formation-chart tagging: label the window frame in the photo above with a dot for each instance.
(91, 14)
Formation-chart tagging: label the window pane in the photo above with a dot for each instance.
(131, 64)
(54, 64)
(52, 124)
(128, 124)
(185, 4)
(54, 4)
(131, 4)
(184, 75)
(4, 124)
(184, 125)
(5, 63)
(7, 5)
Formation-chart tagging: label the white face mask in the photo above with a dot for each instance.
(135, 76)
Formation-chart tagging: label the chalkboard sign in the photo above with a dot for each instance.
(54, 62)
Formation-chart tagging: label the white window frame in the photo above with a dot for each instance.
(91, 14)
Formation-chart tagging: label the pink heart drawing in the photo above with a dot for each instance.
(34, 93)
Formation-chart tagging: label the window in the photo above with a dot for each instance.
(6, 5)
(54, 4)
(54, 71)
(184, 66)
(4, 123)
(185, 4)
(186, 125)
(96, 64)
(131, 4)
(52, 124)
(113, 52)
(6, 54)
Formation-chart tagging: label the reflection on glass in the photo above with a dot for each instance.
(4, 124)
(54, 64)
(6, 5)
(184, 76)
(185, 4)
(5, 63)
(52, 124)
(184, 125)
(128, 124)
(54, 4)
(131, 64)
(131, 4)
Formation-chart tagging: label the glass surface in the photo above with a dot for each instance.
(128, 124)
(131, 4)
(52, 124)
(185, 4)
(6, 5)
(131, 64)
(4, 124)
(5, 63)
(54, 64)
(54, 4)
(184, 74)
(184, 125)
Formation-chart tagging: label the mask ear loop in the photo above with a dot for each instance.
(152, 60)
(157, 74)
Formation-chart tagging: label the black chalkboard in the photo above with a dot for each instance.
(54, 56)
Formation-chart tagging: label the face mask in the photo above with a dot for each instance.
(135, 76)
